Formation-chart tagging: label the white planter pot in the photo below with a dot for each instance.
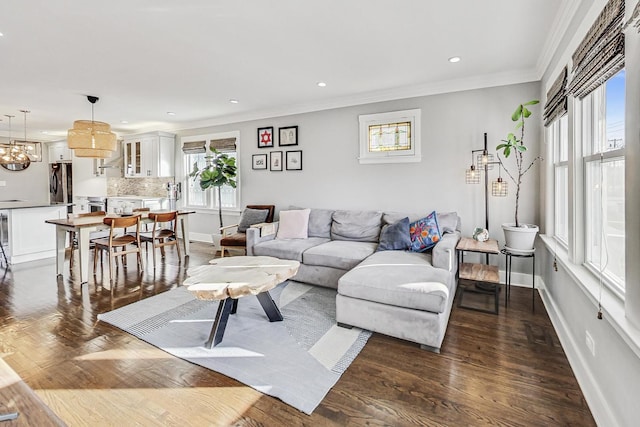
(520, 239)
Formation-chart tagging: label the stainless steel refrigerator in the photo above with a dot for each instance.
(60, 187)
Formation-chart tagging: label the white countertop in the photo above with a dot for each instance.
(26, 204)
(136, 197)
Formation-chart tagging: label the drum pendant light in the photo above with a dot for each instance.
(90, 138)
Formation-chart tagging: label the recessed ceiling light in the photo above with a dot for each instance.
(124, 122)
(322, 84)
(171, 113)
(45, 132)
(454, 59)
(234, 101)
(1, 34)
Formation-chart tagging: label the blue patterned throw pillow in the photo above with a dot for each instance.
(425, 233)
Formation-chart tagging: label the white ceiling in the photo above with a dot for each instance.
(144, 58)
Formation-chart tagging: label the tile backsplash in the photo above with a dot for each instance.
(149, 187)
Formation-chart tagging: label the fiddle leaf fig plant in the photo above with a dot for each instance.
(220, 170)
(515, 145)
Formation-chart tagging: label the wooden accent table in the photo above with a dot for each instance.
(227, 279)
(478, 278)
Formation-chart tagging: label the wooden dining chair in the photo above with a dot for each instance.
(161, 235)
(73, 243)
(145, 211)
(119, 238)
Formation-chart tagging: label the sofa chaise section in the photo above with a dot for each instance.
(404, 294)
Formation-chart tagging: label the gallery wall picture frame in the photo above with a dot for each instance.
(294, 160)
(265, 137)
(275, 161)
(259, 161)
(288, 136)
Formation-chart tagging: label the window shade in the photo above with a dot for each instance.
(193, 147)
(601, 52)
(227, 144)
(556, 104)
(635, 18)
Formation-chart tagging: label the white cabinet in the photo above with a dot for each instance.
(59, 152)
(149, 155)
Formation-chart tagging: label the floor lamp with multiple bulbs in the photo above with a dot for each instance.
(482, 162)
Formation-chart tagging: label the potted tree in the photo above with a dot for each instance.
(220, 170)
(518, 236)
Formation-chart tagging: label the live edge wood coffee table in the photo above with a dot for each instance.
(227, 279)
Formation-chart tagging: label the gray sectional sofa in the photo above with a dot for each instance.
(400, 293)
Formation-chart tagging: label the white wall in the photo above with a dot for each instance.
(452, 125)
(610, 379)
(31, 184)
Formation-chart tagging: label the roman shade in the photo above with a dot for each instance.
(601, 53)
(556, 105)
(222, 145)
(635, 18)
(193, 147)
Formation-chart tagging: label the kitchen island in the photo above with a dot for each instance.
(23, 233)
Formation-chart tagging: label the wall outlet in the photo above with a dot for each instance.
(591, 345)
(3, 183)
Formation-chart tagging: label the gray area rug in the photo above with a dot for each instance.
(297, 360)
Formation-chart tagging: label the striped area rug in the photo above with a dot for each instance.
(297, 360)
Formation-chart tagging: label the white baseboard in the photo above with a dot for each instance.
(202, 237)
(593, 394)
(519, 279)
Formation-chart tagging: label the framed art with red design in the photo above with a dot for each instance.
(265, 137)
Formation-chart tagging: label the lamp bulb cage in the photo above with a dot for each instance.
(472, 175)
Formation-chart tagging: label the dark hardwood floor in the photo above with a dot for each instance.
(504, 370)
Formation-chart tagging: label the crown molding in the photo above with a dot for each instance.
(405, 92)
(559, 28)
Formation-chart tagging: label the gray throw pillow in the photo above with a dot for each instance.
(395, 237)
(251, 216)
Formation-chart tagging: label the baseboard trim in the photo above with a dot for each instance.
(200, 237)
(593, 394)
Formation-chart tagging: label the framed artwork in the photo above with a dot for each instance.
(294, 160)
(275, 160)
(265, 137)
(288, 136)
(390, 137)
(259, 161)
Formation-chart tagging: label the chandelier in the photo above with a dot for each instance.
(90, 138)
(17, 155)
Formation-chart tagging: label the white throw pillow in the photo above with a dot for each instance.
(293, 224)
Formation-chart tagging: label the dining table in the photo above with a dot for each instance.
(84, 226)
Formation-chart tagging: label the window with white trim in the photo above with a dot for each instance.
(604, 162)
(559, 137)
(194, 196)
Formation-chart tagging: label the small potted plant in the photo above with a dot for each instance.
(518, 236)
(219, 170)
